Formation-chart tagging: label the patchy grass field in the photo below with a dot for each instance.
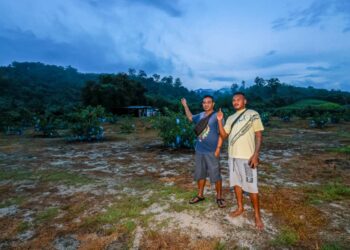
(131, 192)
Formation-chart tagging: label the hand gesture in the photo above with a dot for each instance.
(184, 102)
(220, 115)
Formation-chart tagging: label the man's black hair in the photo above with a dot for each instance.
(240, 93)
(209, 96)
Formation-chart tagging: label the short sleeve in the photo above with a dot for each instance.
(196, 118)
(257, 124)
(227, 126)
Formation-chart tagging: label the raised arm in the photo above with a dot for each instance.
(187, 109)
(220, 117)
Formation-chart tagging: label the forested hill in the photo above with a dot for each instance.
(37, 87)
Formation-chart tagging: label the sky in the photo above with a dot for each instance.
(206, 43)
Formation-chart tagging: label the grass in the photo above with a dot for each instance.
(312, 103)
(19, 200)
(291, 209)
(336, 245)
(16, 175)
(329, 192)
(23, 226)
(46, 215)
(287, 237)
(127, 208)
(65, 177)
(343, 150)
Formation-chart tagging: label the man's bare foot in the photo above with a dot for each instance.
(259, 224)
(236, 213)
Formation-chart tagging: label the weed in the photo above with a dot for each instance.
(23, 226)
(344, 149)
(336, 245)
(46, 215)
(16, 175)
(287, 237)
(66, 178)
(329, 192)
(12, 201)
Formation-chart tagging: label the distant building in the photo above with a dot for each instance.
(139, 111)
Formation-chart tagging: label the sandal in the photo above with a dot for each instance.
(221, 203)
(196, 199)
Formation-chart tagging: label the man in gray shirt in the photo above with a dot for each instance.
(207, 148)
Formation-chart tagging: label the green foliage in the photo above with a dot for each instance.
(85, 124)
(36, 86)
(127, 125)
(46, 215)
(318, 121)
(313, 103)
(113, 92)
(65, 177)
(18, 200)
(47, 124)
(329, 192)
(13, 121)
(335, 245)
(175, 130)
(265, 118)
(287, 237)
(344, 150)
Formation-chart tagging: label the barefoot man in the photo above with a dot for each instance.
(244, 129)
(207, 149)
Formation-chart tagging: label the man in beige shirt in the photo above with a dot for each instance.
(244, 130)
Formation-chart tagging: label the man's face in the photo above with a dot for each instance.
(208, 104)
(239, 102)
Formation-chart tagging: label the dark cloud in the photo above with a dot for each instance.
(221, 79)
(317, 13)
(271, 52)
(86, 55)
(318, 68)
(172, 7)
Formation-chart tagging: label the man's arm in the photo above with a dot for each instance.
(218, 147)
(187, 109)
(220, 117)
(254, 160)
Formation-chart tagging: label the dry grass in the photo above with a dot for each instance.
(292, 210)
(175, 240)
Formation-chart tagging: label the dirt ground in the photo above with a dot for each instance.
(130, 192)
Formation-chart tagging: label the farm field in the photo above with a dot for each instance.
(131, 192)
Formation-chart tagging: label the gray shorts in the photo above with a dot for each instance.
(242, 175)
(207, 165)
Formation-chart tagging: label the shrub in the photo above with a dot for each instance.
(85, 124)
(175, 130)
(47, 124)
(318, 121)
(12, 122)
(126, 125)
(265, 118)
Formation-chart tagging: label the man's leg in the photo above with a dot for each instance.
(218, 188)
(201, 185)
(200, 177)
(239, 198)
(255, 200)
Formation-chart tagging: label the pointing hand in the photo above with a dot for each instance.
(220, 115)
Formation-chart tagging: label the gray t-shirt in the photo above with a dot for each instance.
(207, 141)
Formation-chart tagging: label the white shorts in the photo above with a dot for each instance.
(241, 174)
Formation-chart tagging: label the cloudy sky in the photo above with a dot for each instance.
(207, 43)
